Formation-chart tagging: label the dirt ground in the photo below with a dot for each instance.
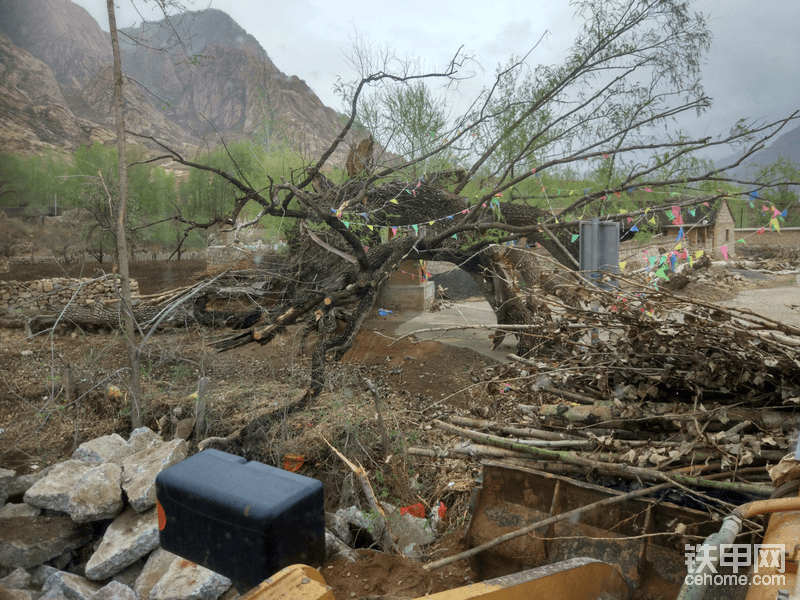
(54, 394)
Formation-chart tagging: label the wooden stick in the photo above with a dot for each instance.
(545, 523)
(622, 470)
(386, 539)
(540, 434)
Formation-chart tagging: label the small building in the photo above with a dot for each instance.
(708, 229)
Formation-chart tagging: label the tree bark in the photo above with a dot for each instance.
(134, 401)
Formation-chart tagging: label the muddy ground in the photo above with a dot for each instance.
(44, 419)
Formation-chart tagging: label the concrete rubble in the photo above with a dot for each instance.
(87, 528)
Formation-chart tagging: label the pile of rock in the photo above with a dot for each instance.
(88, 527)
(33, 296)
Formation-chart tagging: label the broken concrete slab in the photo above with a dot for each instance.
(72, 586)
(140, 471)
(19, 510)
(131, 536)
(29, 541)
(86, 492)
(185, 580)
(115, 591)
(157, 565)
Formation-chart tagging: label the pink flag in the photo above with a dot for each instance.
(676, 212)
(724, 250)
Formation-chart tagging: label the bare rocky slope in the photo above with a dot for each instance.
(55, 85)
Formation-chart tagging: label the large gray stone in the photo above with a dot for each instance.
(360, 522)
(338, 527)
(115, 591)
(6, 476)
(23, 483)
(140, 471)
(131, 536)
(19, 579)
(157, 565)
(184, 580)
(334, 546)
(87, 492)
(141, 439)
(19, 510)
(100, 450)
(12, 594)
(29, 541)
(72, 586)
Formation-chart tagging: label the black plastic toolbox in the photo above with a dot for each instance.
(245, 520)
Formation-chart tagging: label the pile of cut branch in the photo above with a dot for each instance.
(636, 383)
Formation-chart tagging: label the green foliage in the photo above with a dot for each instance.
(408, 120)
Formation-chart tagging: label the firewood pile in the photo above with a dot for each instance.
(634, 382)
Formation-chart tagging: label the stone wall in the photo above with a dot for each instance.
(787, 236)
(23, 297)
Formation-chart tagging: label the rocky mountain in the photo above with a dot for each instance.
(189, 81)
(786, 146)
(34, 114)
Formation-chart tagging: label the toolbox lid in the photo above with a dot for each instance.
(250, 489)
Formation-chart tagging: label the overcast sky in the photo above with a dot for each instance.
(752, 70)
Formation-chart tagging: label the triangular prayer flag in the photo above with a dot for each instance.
(724, 250)
(652, 260)
(393, 201)
(742, 240)
(647, 190)
(346, 223)
(634, 228)
(394, 230)
(661, 273)
(691, 211)
(680, 233)
(652, 220)
(430, 222)
(630, 219)
(698, 253)
(678, 246)
(416, 228)
(622, 265)
(575, 236)
(454, 236)
(369, 227)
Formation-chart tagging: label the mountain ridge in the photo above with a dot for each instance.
(208, 78)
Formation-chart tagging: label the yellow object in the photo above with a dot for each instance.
(573, 579)
(297, 582)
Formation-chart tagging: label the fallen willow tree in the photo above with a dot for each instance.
(409, 175)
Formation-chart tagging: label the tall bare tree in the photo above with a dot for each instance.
(121, 255)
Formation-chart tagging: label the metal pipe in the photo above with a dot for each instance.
(731, 527)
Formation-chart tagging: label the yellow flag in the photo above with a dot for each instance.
(652, 220)
(698, 254)
(678, 247)
(393, 201)
(622, 265)
(369, 227)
